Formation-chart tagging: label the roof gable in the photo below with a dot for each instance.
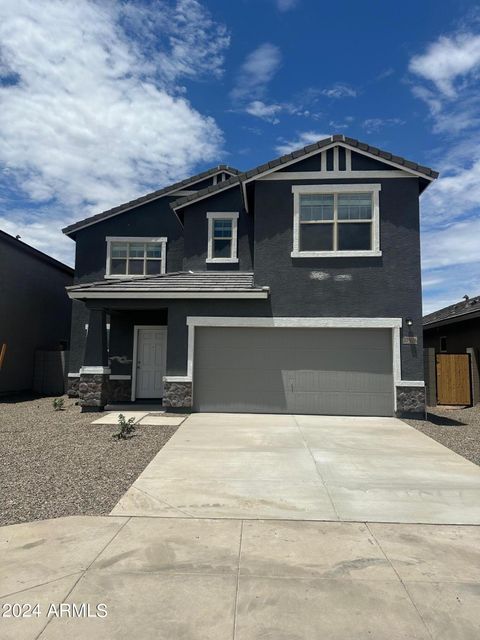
(329, 157)
(170, 190)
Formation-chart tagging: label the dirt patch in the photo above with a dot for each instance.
(56, 463)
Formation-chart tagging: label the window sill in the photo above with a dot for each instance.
(222, 260)
(131, 276)
(336, 254)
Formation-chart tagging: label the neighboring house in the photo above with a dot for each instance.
(290, 288)
(35, 311)
(453, 330)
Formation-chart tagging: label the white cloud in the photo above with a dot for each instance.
(264, 111)
(373, 125)
(447, 81)
(303, 139)
(256, 72)
(339, 90)
(97, 114)
(447, 60)
(286, 5)
(454, 244)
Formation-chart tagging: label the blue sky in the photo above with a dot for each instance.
(104, 101)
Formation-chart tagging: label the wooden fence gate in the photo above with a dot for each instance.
(453, 379)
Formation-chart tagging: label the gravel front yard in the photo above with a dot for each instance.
(457, 429)
(58, 464)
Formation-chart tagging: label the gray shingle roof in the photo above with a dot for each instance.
(182, 281)
(147, 198)
(298, 154)
(457, 310)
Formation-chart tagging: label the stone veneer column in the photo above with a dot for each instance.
(411, 402)
(93, 388)
(177, 394)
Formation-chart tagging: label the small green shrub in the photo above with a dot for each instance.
(58, 404)
(126, 428)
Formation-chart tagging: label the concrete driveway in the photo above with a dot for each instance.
(203, 579)
(237, 548)
(305, 468)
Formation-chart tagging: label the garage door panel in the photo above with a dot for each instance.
(221, 381)
(349, 381)
(300, 370)
(353, 404)
(248, 402)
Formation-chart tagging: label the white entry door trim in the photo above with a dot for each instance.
(136, 331)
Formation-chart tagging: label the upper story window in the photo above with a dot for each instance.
(336, 220)
(222, 236)
(134, 257)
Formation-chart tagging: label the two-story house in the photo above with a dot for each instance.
(291, 288)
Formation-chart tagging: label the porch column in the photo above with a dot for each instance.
(93, 389)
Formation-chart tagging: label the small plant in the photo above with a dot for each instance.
(126, 428)
(58, 404)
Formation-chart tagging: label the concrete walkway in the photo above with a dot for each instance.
(305, 468)
(206, 579)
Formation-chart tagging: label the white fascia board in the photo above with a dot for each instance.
(154, 295)
(314, 323)
(207, 195)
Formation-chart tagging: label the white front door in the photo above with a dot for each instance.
(151, 361)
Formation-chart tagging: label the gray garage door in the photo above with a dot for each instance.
(317, 371)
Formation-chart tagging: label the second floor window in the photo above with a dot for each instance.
(336, 220)
(134, 257)
(222, 237)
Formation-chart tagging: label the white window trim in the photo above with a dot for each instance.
(298, 190)
(110, 239)
(222, 215)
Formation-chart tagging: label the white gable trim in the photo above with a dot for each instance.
(327, 175)
(330, 146)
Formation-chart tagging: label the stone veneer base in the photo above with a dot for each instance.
(177, 395)
(72, 387)
(411, 403)
(93, 391)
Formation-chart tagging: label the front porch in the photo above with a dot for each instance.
(136, 343)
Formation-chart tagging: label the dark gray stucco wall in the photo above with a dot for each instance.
(196, 232)
(34, 312)
(154, 219)
(388, 286)
(173, 312)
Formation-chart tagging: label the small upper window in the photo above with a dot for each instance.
(133, 257)
(222, 236)
(337, 220)
(443, 344)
